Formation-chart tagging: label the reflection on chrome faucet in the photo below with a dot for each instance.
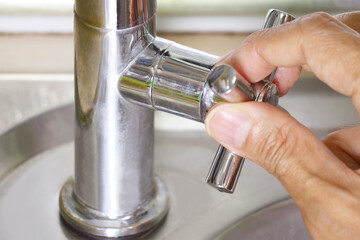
(123, 72)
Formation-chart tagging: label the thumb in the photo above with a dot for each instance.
(272, 139)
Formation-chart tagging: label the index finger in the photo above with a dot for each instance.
(317, 42)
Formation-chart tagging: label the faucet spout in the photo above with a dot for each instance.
(170, 77)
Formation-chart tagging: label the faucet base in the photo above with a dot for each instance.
(93, 222)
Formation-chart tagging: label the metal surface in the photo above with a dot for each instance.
(104, 225)
(225, 170)
(116, 40)
(226, 167)
(114, 192)
(29, 192)
(57, 132)
(225, 82)
(276, 17)
(115, 15)
(113, 139)
(42, 159)
(180, 80)
(168, 77)
(21, 98)
(116, 51)
(281, 220)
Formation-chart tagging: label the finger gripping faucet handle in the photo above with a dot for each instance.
(226, 83)
(226, 167)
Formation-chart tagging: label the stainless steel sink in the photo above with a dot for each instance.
(36, 158)
(281, 220)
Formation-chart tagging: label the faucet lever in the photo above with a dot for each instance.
(225, 82)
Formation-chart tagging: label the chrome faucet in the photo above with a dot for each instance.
(123, 72)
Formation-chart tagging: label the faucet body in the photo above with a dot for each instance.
(110, 148)
(123, 72)
(114, 192)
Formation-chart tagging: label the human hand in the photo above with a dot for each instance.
(323, 177)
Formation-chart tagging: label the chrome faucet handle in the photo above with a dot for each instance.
(226, 83)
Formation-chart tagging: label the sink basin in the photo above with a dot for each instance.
(36, 158)
(281, 220)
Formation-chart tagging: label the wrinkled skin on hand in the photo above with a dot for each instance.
(322, 176)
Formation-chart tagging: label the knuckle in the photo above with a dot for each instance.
(315, 20)
(278, 148)
(321, 16)
(312, 28)
(253, 39)
(256, 42)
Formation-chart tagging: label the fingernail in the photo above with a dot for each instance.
(229, 125)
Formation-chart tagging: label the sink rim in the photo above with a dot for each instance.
(235, 230)
(54, 122)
